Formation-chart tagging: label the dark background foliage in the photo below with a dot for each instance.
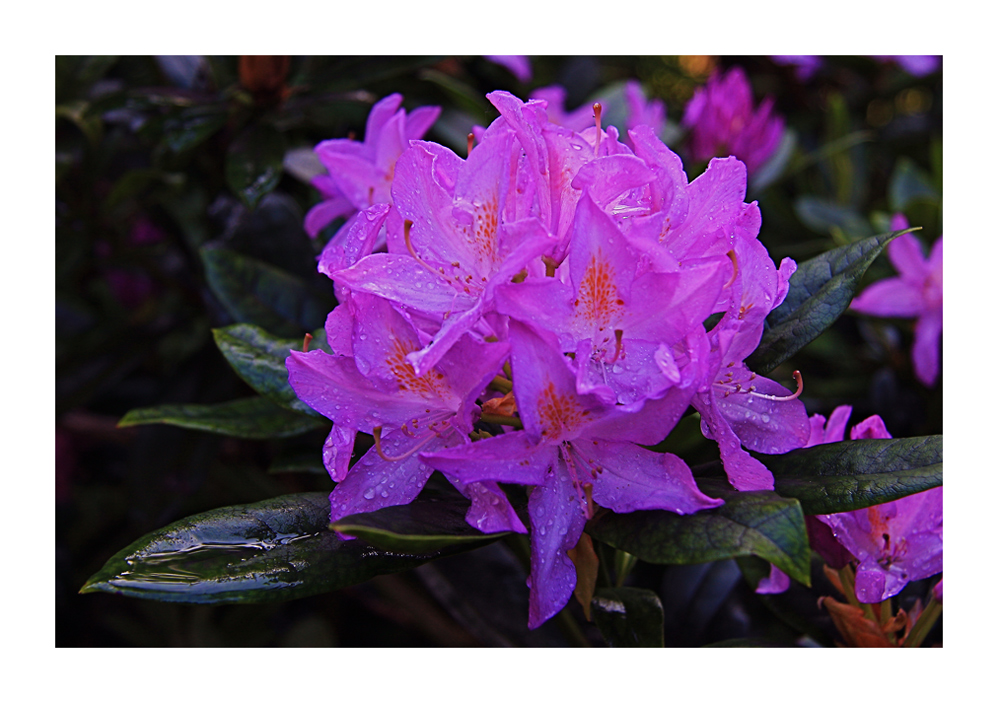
(157, 158)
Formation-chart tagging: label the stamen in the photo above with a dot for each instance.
(796, 394)
(471, 143)
(584, 502)
(550, 265)
(305, 345)
(735, 268)
(501, 383)
(618, 334)
(377, 433)
(406, 227)
(597, 111)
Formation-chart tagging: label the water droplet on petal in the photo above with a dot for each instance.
(369, 494)
(765, 418)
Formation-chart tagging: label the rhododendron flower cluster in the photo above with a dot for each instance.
(540, 313)
(722, 121)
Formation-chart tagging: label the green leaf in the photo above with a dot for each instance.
(749, 523)
(259, 359)
(190, 126)
(254, 163)
(909, 183)
(855, 474)
(823, 215)
(273, 550)
(820, 290)
(260, 294)
(434, 520)
(629, 617)
(250, 418)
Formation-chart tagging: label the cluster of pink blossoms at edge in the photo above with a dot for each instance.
(560, 275)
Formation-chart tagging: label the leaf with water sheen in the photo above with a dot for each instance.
(820, 291)
(259, 359)
(628, 617)
(260, 294)
(749, 523)
(273, 550)
(850, 475)
(855, 474)
(249, 418)
(434, 520)
(254, 163)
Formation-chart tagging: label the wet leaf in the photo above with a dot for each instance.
(249, 418)
(855, 474)
(434, 520)
(190, 126)
(820, 291)
(254, 163)
(259, 359)
(749, 523)
(260, 294)
(273, 550)
(628, 617)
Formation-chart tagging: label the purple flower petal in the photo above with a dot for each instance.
(627, 478)
(557, 521)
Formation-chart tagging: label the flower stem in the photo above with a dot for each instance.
(924, 624)
(884, 617)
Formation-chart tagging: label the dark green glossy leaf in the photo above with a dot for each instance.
(855, 474)
(434, 520)
(820, 291)
(190, 126)
(259, 359)
(250, 418)
(628, 617)
(749, 523)
(260, 294)
(850, 475)
(273, 550)
(254, 163)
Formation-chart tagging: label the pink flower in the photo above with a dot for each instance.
(576, 450)
(519, 66)
(722, 121)
(361, 173)
(917, 292)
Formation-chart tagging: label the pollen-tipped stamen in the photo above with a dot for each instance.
(618, 334)
(796, 394)
(597, 111)
(471, 143)
(305, 344)
(735, 268)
